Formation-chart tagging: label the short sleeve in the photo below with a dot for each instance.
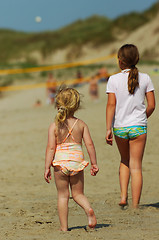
(150, 86)
(110, 86)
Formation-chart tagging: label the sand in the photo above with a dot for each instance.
(28, 205)
(145, 37)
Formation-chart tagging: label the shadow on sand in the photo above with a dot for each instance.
(155, 205)
(86, 228)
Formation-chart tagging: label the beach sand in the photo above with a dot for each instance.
(28, 205)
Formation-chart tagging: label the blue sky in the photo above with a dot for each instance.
(20, 14)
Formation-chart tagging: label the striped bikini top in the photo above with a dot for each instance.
(69, 150)
(70, 132)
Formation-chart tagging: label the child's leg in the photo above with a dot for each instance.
(77, 188)
(62, 185)
(137, 147)
(124, 173)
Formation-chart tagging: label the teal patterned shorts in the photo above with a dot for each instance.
(129, 132)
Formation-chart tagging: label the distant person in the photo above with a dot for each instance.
(103, 74)
(79, 79)
(93, 88)
(37, 103)
(127, 114)
(79, 76)
(64, 152)
(51, 89)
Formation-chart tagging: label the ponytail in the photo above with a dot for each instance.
(133, 80)
(128, 55)
(67, 102)
(61, 115)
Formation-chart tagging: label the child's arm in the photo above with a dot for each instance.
(91, 150)
(150, 96)
(110, 111)
(50, 151)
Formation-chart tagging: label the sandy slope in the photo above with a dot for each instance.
(145, 37)
(28, 208)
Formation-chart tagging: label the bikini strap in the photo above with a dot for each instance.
(70, 131)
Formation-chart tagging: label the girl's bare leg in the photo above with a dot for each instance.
(77, 188)
(62, 185)
(124, 172)
(137, 146)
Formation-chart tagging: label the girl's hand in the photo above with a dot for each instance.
(94, 169)
(109, 137)
(47, 175)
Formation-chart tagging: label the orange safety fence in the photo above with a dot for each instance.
(57, 66)
(48, 68)
(45, 85)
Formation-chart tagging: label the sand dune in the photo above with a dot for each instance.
(145, 37)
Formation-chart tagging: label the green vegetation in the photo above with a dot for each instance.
(95, 30)
(132, 21)
(148, 62)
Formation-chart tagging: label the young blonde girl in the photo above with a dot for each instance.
(127, 114)
(64, 152)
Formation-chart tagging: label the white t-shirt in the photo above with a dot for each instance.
(130, 108)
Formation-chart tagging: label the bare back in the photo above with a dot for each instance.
(71, 131)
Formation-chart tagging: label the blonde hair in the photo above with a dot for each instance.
(67, 102)
(129, 56)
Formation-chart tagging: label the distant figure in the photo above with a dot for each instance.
(64, 152)
(93, 88)
(103, 74)
(79, 79)
(37, 103)
(51, 89)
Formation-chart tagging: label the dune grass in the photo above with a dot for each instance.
(96, 30)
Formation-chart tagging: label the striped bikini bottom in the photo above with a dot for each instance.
(129, 132)
(69, 158)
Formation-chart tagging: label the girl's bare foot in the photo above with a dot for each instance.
(123, 202)
(63, 230)
(135, 205)
(91, 219)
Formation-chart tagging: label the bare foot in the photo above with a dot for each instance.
(123, 202)
(135, 206)
(91, 219)
(63, 230)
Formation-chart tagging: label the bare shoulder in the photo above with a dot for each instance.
(52, 126)
(82, 123)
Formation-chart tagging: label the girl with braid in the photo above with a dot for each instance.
(64, 152)
(127, 114)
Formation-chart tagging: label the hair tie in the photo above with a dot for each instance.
(132, 66)
(62, 108)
